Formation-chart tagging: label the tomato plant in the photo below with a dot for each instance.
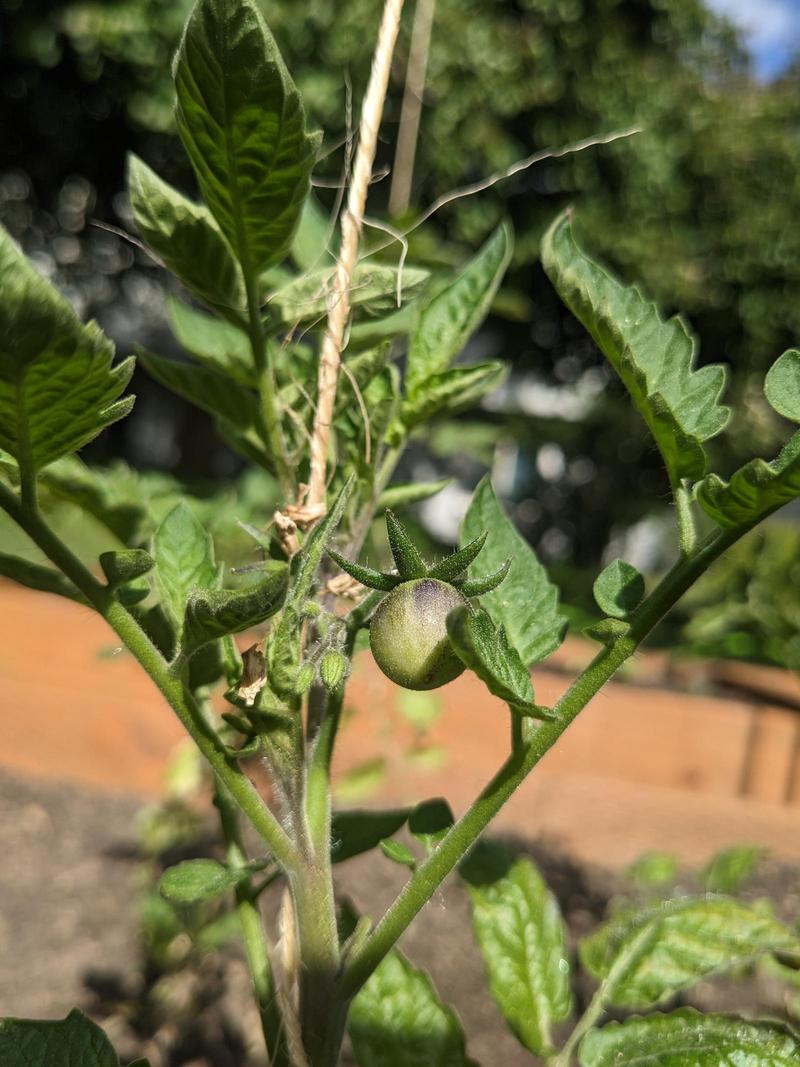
(293, 346)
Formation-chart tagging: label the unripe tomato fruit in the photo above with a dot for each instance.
(408, 635)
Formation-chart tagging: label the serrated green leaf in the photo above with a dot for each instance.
(35, 576)
(526, 603)
(448, 320)
(730, 868)
(485, 649)
(397, 1020)
(242, 123)
(58, 388)
(354, 832)
(687, 1038)
(195, 880)
(452, 391)
(115, 495)
(209, 390)
(373, 289)
(755, 490)
(655, 952)
(399, 853)
(184, 555)
(653, 357)
(404, 494)
(782, 385)
(68, 1042)
(522, 936)
(219, 345)
(185, 237)
(212, 613)
(618, 589)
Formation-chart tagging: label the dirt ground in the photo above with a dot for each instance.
(69, 936)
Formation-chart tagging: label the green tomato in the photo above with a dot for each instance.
(408, 634)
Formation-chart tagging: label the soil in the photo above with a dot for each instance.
(70, 888)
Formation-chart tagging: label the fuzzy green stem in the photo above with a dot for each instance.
(323, 1010)
(136, 640)
(463, 835)
(253, 936)
(687, 530)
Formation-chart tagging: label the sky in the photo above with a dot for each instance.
(771, 30)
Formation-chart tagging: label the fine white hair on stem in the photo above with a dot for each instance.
(523, 164)
(331, 351)
(402, 241)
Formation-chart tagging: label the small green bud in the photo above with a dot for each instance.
(333, 669)
(305, 678)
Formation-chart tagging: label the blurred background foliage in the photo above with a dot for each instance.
(700, 208)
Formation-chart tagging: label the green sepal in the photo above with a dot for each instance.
(479, 586)
(407, 559)
(457, 563)
(125, 565)
(35, 576)
(212, 613)
(366, 575)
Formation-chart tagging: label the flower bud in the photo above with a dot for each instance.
(333, 669)
(305, 678)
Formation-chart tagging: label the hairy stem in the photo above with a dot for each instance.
(460, 838)
(138, 643)
(253, 935)
(687, 530)
(352, 222)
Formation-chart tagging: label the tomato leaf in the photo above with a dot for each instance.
(242, 123)
(526, 603)
(522, 936)
(648, 955)
(58, 388)
(687, 1037)
(654, 358)
(397, 1020)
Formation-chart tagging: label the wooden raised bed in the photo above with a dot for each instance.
(645, 767)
